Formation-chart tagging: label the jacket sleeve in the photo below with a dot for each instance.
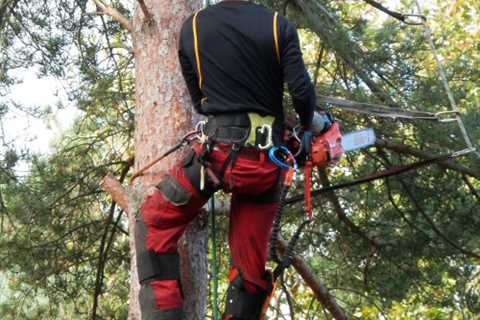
(296, 76)
(187, 67)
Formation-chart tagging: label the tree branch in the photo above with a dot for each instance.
(432, 224)
(446, 164)
(342, 216)
(471, 188)
(391, 13)
(319, 289)
(146, 13)
(113, 187)
(103, 251)
(112, 12)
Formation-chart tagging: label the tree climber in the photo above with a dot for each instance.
(235, 57)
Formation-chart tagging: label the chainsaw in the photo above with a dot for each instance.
(327, 147)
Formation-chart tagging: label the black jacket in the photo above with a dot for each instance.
(239, 67)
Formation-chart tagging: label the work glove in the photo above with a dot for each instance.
(322, 121)
(306, 142)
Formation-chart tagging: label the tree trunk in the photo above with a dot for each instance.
(163, 114)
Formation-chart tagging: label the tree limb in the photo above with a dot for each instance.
(112, 12)
(319, 289)
(113, 187)
(103, 251)
(391, 13)
(472, 189)
(146, 13)
(446, 164)
(343, 217)
(433, 225)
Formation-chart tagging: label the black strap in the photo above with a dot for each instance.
(230, 160)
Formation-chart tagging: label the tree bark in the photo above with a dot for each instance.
(163, 113)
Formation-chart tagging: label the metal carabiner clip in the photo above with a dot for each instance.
(269, 142)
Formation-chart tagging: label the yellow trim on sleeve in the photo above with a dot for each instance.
(275, 35)
(197, 53)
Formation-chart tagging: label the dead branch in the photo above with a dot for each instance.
(113, 187)
(105, 244)
(112, 12)
(146, 13)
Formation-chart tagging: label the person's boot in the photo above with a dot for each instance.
(242, 304)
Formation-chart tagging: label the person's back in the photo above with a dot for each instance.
(235, 57)
(238, 68)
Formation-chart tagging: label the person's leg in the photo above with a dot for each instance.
(250, 283)
(254, 203)
(164, 216)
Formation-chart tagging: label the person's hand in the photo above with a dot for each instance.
(306, 142)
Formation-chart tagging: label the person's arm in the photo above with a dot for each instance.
(188, 70)
(296, 76)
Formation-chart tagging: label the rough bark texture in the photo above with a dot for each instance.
(163, 115)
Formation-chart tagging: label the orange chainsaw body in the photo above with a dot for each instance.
(327, 147)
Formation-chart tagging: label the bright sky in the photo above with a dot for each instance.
(26, 130)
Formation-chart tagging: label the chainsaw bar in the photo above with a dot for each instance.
(358, 140)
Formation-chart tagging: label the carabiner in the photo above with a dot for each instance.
(269, 141)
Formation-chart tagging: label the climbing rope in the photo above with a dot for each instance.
(443, 78)
(215, 312)
(385, 111)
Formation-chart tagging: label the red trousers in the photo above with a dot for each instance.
(253, 182)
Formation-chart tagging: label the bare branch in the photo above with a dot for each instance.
(112, 12)
(146, 13)
(391, 13)
(112, 186)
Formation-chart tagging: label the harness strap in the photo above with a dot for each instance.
(229, 161)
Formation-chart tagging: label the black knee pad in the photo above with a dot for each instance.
(242, 304)
(151, 265)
